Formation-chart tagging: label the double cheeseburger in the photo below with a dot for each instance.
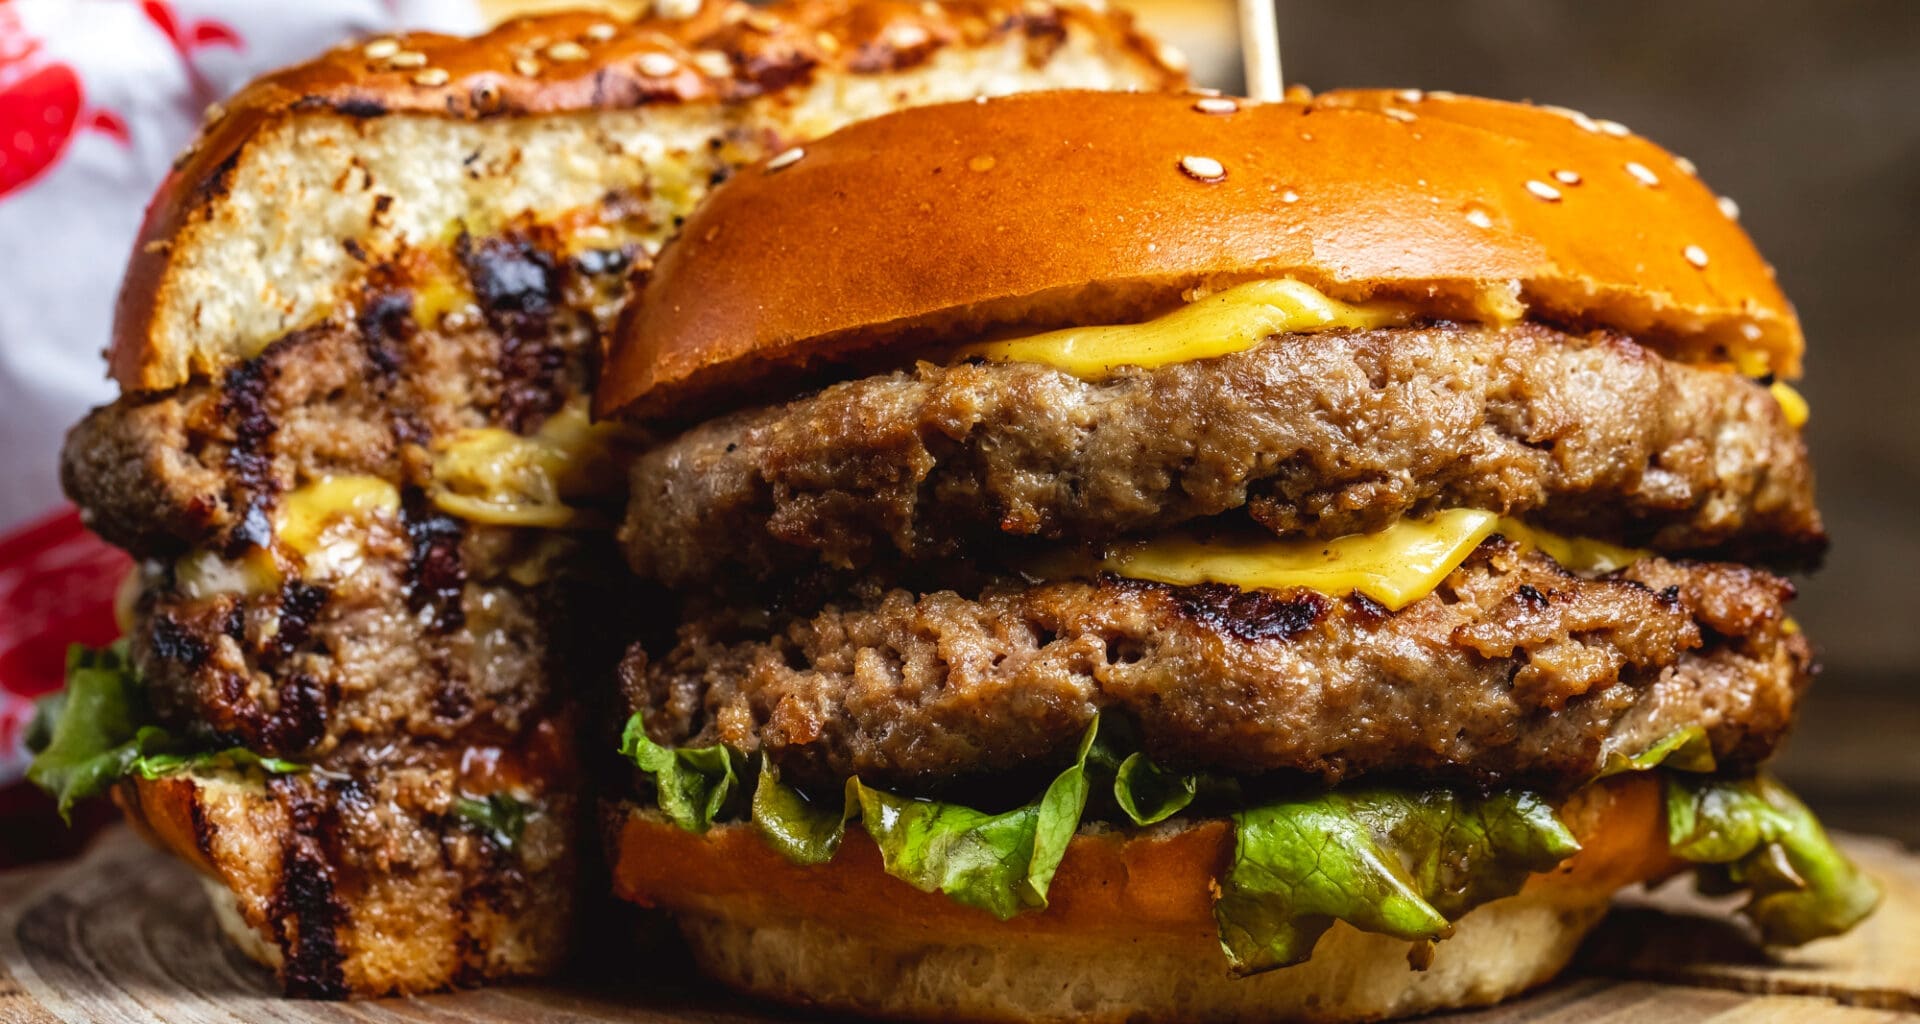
(1164, 556)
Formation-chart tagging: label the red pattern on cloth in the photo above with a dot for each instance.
(57, 586)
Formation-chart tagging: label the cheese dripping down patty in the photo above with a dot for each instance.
(1395, 566)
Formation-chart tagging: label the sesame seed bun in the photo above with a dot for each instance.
(1128, 933)
(1052, 209)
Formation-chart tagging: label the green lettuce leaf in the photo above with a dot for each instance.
(1688, 750)
(500, 814)
(804, 831)
(91, 735)
(693, 783)
(1400, 862)
(1150, 794)
(999, 863)
(1755, 835)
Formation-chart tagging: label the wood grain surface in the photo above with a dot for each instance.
(124, 936)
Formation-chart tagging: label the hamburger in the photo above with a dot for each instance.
(1174, 557)
(353, 457)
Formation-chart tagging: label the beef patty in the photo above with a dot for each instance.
(1512, 671)
(1321, 434)
(439, 632)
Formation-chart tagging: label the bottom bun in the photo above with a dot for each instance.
(1128, 933)
(411, 902)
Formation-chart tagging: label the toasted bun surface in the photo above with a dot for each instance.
(600, 127)
(285, 894)
(1060, 208)
(1128, 933)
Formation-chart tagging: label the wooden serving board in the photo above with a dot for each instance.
(124, 936)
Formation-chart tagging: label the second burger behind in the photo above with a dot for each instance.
(1210, 560)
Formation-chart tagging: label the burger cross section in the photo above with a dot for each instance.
(1412, 591)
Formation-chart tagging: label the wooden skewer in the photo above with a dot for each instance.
(1260, 49)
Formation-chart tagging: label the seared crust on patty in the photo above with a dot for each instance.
(428, 636)
(1512, 671)
(1321, 434)
(157, 474)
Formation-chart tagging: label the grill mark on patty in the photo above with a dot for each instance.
(436, 575)
(1249, 615)
(518, 286)
(243, 405)
(305, 903)
(175, 642)
(300, 606)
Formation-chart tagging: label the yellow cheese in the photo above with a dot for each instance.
(1575, 554)
(1223, 323)
(494, 476)
(305, 514)
(1792, 403)
(1395, 566)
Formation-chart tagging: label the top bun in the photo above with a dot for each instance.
(380, 152)
(1053, 209)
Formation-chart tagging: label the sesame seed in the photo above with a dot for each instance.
(786, 159)
(381, 49)
(1397, 114)
(1696, 256)
(1567, 177)
(1543, 190)
(1613, 128)
(714, 63)
(431, 76)
(1441, 94)
(600, 32)
(981, 164)
(1642, 175)
(907, 37)
(1578, 118)
(761, 21)
(1203, 168)
(1216, 105)
(657, 65)
(1171, 58)
(1479, 219)
(527, 66)
(157, 245)
(408, 59)
(1289, 196)
(566, 50)
(829, 43)
(1728, 207)
(1686, 166)
(1410, 95)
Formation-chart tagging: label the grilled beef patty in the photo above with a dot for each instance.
(1318, 434)
(1512, 671)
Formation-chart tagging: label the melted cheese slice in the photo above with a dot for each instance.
(318, 530)
(1792, 404)
(306, 514)
(493, 476)
(1395, 566)
(1220, 324)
